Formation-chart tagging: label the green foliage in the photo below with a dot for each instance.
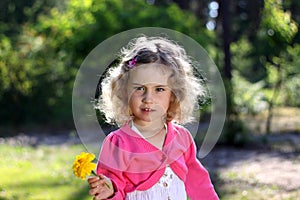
(235, 132)
(292, 82)
(293, 91)
(277, 31)
(15, 13)
(285, 69)
(279, 22)
(32, 74)
(92, 22)
(5, 48)
(44, 43)
(15, 76)
(256, 82)
(243, 61)
(38, 66)
(249, 98)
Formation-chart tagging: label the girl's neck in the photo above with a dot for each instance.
(155, 136)
(155, 124)
(150, 129)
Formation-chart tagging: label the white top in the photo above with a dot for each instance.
(169, 186)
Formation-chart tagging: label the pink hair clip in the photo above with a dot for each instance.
(132, 62)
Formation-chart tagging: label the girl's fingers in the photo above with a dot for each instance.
(104, 193)
(95, 184)
(93, 179)
(99, 181)
(101, 187)
(94, 191)
(102, 176)
(98, 190)
(107, 181)
(104, 182)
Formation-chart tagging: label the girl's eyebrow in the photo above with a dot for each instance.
(154, 85)
(161, 86)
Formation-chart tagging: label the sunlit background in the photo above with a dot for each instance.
(254, 43)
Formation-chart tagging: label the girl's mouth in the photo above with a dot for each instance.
(147, 109)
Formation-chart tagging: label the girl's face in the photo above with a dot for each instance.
(149, 94)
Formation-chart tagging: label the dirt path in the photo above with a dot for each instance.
(281, 169)
(261, 173)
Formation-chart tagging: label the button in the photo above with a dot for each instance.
(165, 184)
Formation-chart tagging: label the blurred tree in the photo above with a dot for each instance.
(283, 81)
(43, 42)
(292, 71)
(14, 13)
(281, 29)
(39, 62)
(262, 35)
(293, 6)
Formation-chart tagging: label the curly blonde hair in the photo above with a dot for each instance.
(185, 87)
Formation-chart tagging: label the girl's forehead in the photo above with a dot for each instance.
(151, 73)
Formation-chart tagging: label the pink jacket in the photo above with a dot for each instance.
(132, 163)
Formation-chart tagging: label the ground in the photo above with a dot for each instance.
(267, 168)
(257, 171)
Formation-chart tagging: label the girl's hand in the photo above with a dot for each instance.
(99, 187)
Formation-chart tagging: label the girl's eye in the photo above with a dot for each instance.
(140, 88)
(160, 89)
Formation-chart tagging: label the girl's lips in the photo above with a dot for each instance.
(147, 109)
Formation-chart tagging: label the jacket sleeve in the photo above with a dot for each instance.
(111, 163)
(198, 184)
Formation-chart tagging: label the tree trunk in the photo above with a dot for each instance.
(183, 4)
(225, 18)
(225, 35)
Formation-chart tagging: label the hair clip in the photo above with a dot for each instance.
(132, 62)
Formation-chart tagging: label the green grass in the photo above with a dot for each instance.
(41, 173)
(45, 173)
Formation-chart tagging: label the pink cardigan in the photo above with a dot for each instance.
(132, 163)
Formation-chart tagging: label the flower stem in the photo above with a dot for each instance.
(94, 173)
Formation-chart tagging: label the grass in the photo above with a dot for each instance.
(45, 173)
(42, 173)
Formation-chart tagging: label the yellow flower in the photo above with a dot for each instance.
(83, 165)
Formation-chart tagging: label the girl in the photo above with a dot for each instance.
(150, 156)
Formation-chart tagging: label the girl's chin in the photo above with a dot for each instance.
(143, 121)
(147, 121)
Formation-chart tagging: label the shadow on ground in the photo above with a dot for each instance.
(268, 169)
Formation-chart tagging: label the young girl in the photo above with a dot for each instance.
(150, 156)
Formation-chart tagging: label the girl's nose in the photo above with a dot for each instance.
(147, 97)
